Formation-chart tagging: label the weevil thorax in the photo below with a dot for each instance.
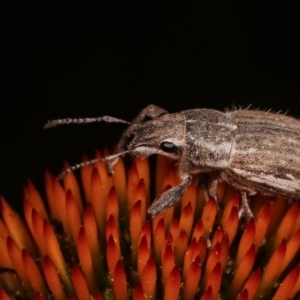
(164, 135)
(209, 140)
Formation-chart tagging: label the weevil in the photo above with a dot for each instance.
(253, 150)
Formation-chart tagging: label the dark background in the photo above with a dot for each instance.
(114, 58)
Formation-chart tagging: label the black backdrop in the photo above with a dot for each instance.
(115, 58)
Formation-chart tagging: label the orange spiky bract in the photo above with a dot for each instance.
(106, 247)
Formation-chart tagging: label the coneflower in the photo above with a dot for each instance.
(95, 241)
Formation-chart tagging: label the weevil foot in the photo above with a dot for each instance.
(169, 198)
(246, 211)
(110, 165)
(213, 189)
(109, 169)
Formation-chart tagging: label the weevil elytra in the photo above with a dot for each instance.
(253, 150)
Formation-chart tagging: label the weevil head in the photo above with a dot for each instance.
(164, 135)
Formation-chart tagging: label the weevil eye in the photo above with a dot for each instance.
(168, 147)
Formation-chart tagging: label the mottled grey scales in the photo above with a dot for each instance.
(253, 150)
(265, 152)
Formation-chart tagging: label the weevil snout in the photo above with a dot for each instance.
(155, 137)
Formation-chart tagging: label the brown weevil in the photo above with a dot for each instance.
(253, 150)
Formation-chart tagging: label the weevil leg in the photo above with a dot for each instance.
(203, 183)
(213, 189)
(150, 112)
(110, 165)
(169, 198)
(246, 211)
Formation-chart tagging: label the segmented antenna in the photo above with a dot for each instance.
(89, 162)
(107, 119)
(76, 167)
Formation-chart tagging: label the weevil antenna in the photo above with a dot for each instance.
(90, 162)
(107, 119)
